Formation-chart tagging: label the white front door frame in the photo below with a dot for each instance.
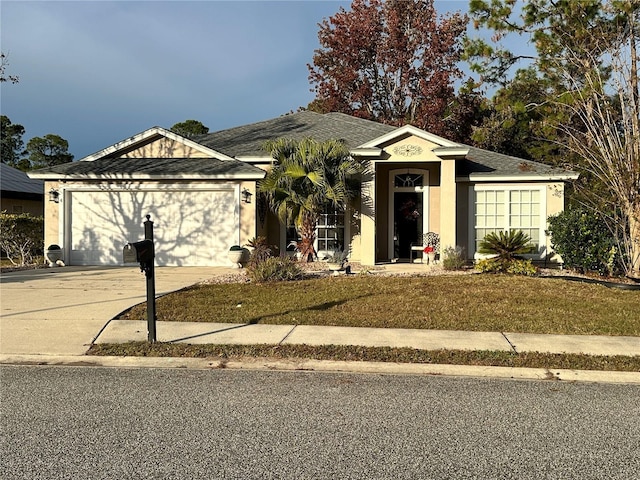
(424, 190)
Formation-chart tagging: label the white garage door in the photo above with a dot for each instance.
(191, 227)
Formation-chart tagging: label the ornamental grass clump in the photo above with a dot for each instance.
(453, 258)
(275, 269)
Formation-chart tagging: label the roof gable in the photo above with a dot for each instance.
(156, 153)
(400, 133)
(131, 143)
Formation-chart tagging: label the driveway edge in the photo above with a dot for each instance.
(328, 366)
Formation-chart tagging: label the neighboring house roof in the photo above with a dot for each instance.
(16, 184)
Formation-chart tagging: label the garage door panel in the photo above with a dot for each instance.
(190, 227)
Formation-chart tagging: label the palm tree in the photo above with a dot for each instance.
(305, 177)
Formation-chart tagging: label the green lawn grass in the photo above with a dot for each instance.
(452, 302)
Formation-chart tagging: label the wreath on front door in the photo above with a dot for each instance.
(409, 210)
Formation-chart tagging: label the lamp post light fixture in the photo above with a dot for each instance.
(246, 195)
(54, 196)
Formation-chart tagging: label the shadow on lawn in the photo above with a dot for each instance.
(254, 321)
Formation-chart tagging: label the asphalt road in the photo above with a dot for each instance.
(108, 423)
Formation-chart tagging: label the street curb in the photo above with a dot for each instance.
(329, 366)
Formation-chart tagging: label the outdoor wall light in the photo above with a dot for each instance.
(246, 196)
(54, 196)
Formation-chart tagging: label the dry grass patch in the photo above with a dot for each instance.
(370, 354)
(463, 302)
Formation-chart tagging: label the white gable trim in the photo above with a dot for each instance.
(457, 151)
(140, 137)
(411, 130)
(366, 152)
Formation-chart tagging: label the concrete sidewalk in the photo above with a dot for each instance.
(122, 331)
(53, 315)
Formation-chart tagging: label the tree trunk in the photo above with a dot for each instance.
(634, 235)
(307, 233)
(634, 209)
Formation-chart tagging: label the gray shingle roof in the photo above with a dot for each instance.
(248, 140)
(156, 167)
(480, 162)
(16, 181)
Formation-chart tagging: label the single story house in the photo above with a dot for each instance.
(19, 193)
(201, 194)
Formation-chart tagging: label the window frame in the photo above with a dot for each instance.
(327, 213)
(507, 214)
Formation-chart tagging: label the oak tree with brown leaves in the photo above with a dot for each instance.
(390, 61)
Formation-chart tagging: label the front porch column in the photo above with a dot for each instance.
(368, 224)
(448, 196)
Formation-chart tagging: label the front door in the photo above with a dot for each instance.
(408, 211)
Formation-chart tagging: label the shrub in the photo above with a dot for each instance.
(584, 242)
(275, 269)
(514, 266)
(453, 258)
(261, 251)
(21, 237)
(522, 267)
(489, 265)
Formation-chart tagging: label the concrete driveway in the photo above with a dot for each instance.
(59, 311)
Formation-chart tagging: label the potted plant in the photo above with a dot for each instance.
(53, 254)
(238, 255)
(336, 261)
(431, 254)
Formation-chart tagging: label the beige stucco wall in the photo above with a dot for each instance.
(555, 204)
(248, 215)
(370, 238)
(363, 245)
(419, 150)
(163, 148)
(448, 205)
(52, 217)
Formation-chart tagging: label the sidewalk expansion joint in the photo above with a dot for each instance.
(513, 347)
(287, 335)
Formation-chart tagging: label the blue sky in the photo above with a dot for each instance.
(97, 72)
